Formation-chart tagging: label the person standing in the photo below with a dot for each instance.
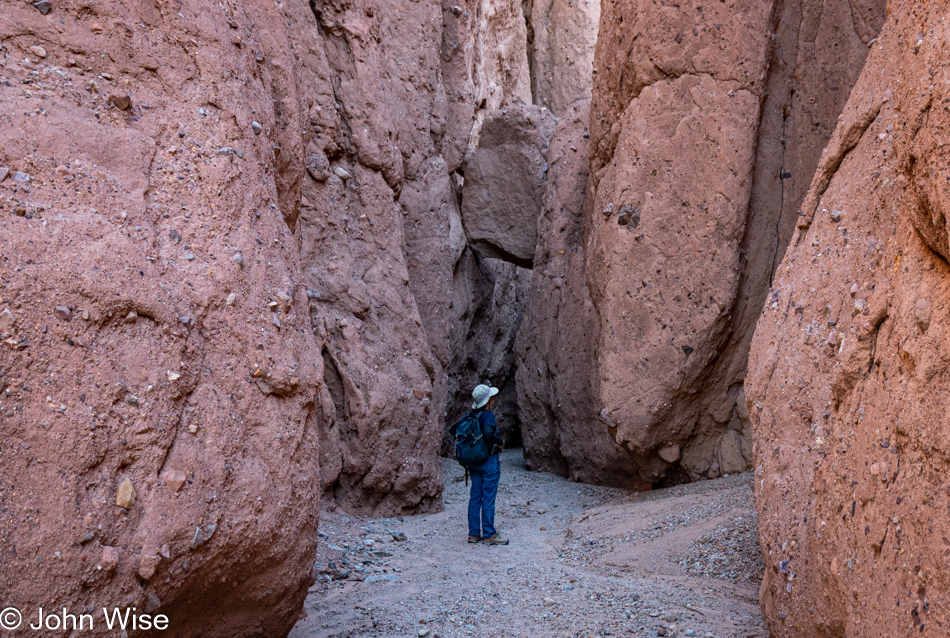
(485, 477)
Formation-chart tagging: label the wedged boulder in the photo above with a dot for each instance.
(847, 386)
(505, 177)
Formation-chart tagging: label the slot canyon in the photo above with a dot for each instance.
(255, 255)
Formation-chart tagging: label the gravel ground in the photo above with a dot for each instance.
(583, 561)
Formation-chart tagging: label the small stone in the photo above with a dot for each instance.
(4, 173)
(341, 173)
(341, 575)
(87, 538)
(125, 497)
(164, 552)
(173, 376)
(6, 319)
(62, 170)
(121, 102)
(859, 305)
(231, 299)
(21, 177)
(687, 349)
(423, 632)
(132, 317)
(110, 558)
(43, 6)
(62, 313)
(256, 127)
(174, 479)
(193, 428)
(85, 315)
(833, 338)
(152, 602)
(199, 538)
(189, 256)
(548, 602)
(922, 310)
(224, 150)
(836, 216)
(38, 51)
(132, 400)
(148, 565)
(399, 536)
(238, 259)
(670, 454)
(854, 289)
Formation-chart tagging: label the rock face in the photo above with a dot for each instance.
(561, 39)
(505, 178)
(230, 240)
(135, 344)
(556, 380)
(845, 384)
(704, 121)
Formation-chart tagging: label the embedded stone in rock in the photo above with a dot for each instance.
(63, 313)
(121, 102)
(38, 51)
(43, 6)
(505, 177)
(6, 319)
(318, 166)
(125, 496)
(148, 565)
(110, 558)
(256, 127)
(670, 454)
(174, 479)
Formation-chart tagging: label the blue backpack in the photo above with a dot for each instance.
(471, 449)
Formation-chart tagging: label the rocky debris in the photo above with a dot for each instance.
(505, 177)
(38, 51)
(148, 565)
(110, 558)
(63, 313)
(43, 6)
(850, 477)
(436, 582)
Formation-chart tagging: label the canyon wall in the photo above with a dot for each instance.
(846, 384)
(706, 123)
(234, 278)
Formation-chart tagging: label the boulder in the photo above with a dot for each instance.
(505, 177)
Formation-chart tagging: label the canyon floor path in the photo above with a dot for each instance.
(583, 561)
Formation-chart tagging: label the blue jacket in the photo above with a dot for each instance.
(486, 418)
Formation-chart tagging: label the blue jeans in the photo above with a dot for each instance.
(481, 504)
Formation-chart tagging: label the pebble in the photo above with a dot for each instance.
(256, 126)
(238, 259)
(173, 376)
(423, 632)
(231, 299)
(836, 216)
(6, 319)
(43, 6)
(548, 602)
(148, 565)
(125, 496)
(121, 102)
(63, 313)
(110, 558)
(174, 479)
(399, 536)
(38, 51)
(4, 172)
(341, 173)
(21, 177)
(85, 315)
(132, 317)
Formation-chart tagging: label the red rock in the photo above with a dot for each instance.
(850, 451)
(174, 479)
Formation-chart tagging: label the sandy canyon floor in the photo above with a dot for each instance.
(583, 561)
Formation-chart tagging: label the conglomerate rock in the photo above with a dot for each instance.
(846, 375)
(229, 234)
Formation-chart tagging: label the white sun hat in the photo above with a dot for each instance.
(482, 393)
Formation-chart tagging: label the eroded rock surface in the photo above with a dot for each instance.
(561, 39)
(846, 372)
(701, 117)
(556, 373)
(156, 317)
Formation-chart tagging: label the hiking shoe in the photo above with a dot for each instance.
(474, 539)
(496, 539)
